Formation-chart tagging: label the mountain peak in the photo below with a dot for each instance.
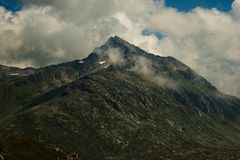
(116, 39)
(118, 42)
(115, 99)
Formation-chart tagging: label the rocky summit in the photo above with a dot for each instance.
(119, 103)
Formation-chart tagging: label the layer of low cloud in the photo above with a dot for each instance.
(144, 67)
(116, 56)
(140, 65)
(46, 32)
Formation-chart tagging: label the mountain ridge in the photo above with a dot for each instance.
(89, 105)
(165, 71)
(124, 103)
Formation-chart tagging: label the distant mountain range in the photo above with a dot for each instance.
(119, 103)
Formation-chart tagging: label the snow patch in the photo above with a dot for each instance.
(107, 66)
(102, 62)
(15, 74)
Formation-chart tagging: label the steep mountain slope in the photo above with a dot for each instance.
(18, 89)
(24, 149)
(18, 86)
(114, 113)
(13, 72)
(124, 103)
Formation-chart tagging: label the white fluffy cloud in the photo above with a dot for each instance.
(206, 40)
(45, 32)
(236, 9)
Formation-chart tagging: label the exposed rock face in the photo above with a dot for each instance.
(124, 103)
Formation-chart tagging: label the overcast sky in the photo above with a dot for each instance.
(203, 34)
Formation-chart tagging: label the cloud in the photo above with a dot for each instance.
(115, 56)
(31, 36)
(206, 40)
(145, 67)
(46, 32)
(139, 64)
(236, 9)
